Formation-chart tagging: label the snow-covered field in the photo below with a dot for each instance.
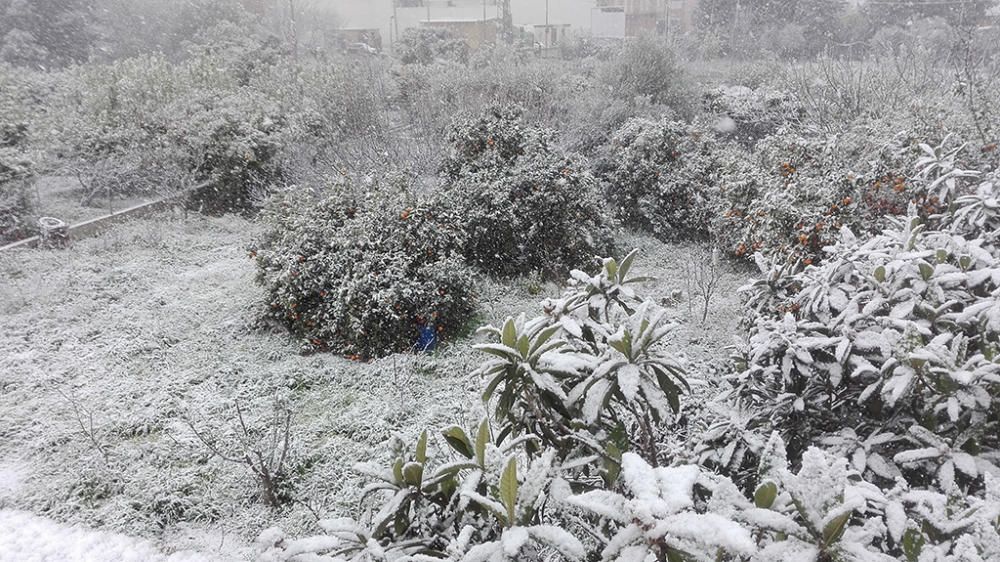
(111, 351)
(28, 538)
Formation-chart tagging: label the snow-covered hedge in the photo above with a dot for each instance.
(546, 478)
(428, 45)
(234, 140)
(748, 115)
(659, 178)
(523, 205)
(886, 356)
(16, 170)
(790, 196)
(363, 274)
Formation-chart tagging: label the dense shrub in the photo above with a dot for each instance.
(647, 68)
(886, 353)
(749, 115)
(790, 197)
(427, 45)
(527, 487)
(492, 142)
(16, 170)
(15, 198)
(659, 178)
(233, 140)
(523, 206)
(363, 275)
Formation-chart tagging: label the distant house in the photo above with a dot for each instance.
(361, 35)
(476, 32)
(548, 35)
(681, 15)
(608, 21)
(632, 18)
(393, 17)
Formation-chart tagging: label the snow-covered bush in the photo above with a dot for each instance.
(648, 68)
(887, 352)
(363, 274)
(16, 170)
(790, 197)
(659, 177)
(15, 199)
(591, 365)
(234, 140)
(423, 45)
(524, 206)
(657, 518)
(749, 115)
(492, 141)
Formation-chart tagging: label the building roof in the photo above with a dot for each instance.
(459, 20)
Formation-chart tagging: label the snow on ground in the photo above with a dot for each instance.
(27, 538)
(109, 352)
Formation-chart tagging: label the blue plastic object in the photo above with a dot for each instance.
(428, 339)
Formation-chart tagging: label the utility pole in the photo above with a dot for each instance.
(294, 29)
(507, 22)
(547, 30)
(395, 20)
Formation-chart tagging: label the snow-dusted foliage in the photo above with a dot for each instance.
(559, 384)
(591, 366)
(747, 115)
(429, 45)
(656, 517)
(790, 197)
(524, 206)
(658, 178)
(645, 68)
(233, 140)
(363, 273)
(152, 125)
(16, 169)
(886, 356)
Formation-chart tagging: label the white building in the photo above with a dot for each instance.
(384, 16)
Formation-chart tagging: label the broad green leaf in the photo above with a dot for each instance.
(611, 267)
(502, 351)
(543, 337)
(421, 453)
(397, 471)
(509, 333)
(613, 462)
(413, 474)
(765, 495)
(482, 439)
(835, 528)
(508, 489)
(457, 438)
(390, 512)
(913, 543)
(523, 346)
(674, 555)
(880, 274)
(626, 265)
(671, 390)
(926, 270)
(491, 388)
(621, 346)
(448, 471)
